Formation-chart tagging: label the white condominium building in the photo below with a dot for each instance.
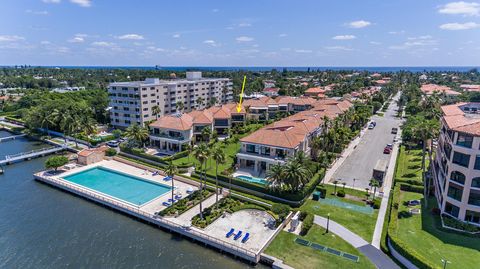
(457, 162)
(133, 102)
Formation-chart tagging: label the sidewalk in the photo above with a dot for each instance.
(186, 218)
(376, 256)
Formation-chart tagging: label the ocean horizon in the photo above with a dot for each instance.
(415, 69)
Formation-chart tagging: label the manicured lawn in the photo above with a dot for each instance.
(422, 234)
(409, 165)
(298, 256)
(359, 223)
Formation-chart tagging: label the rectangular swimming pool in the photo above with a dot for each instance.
(119, 185)
(253, 179)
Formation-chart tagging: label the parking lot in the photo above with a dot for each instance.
(360, 163)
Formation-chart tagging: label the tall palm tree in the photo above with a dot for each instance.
(324, 162)
(219, 157)
(296, 175)
(156, 110)
(171, 169)
(335, 182)
(315, 146)
(201, 153)
(275, 175)
(206, 133)
(199, 101)
(137, 133)
(374, 184)
(179, 105)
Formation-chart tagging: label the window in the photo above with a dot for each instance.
(451, 209)
(474, 198)
(458, 177)
(447, 148)
(251, 148)
(461, 159)
(464, 140)
(472, 216)
(455, 192)
(476, 182)
(477, 163)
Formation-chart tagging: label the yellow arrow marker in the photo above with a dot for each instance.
(239, 106)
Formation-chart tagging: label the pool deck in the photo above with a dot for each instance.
(213, 235)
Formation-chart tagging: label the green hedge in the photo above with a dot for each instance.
(139, 152)
(411, 188)
(306, 224)
(14, 119)
(409, 181)
(177, 155)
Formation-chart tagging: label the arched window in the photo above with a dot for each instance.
(476, 182)
(457, 177)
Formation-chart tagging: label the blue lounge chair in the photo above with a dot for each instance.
(166, 178)
(230, 233)
(178, 196)
(171, 201)
(166, 204)
(246, 237)
(238, 235)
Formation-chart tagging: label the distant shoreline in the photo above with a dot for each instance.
(415, 69)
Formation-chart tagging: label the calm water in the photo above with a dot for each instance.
(43, 227)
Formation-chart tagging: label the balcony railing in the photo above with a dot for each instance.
(179, 138)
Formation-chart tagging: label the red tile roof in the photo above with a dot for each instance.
(457, 120)
(429, 89)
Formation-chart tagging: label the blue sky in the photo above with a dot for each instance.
(240, 33)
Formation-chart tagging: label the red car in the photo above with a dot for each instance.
(387, 150)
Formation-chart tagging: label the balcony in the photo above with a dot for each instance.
(166, 136)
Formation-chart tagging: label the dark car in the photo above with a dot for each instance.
(113, 143)
(387, 150)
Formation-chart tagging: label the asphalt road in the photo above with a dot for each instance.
(360, 163)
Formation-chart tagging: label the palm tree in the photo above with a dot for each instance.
(374, 184)
(296, 175)
(199, 101)
(275, 175)
(171, 169)
(206, 133)
(219, 157)
(201, 153)
(300, 157)
(344, 183)
(156, 110)
(335, 182)
(324, 162)
(137, 134)
(179, 105)
(188, 147)
(316, 144)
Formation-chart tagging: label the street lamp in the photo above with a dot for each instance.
(328, 221)
(443, 261)
(354, 179)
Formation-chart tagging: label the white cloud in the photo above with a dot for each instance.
(359, 24)
(339, 48)
(51, 1)
(461, 8)
(45, 42)
(130, 37)
(375, 43)
(82, 3)
(102, 44)
(244, 24)
(152, 48)
(422, 37)
(282, 35)
(459, 26)
(303, 51)
(420, 41)
(215, 10)
(78, 38)
(244, 39)
(36, 12)
(176, 36)
(344, 37)
(211, 43)
(397, 32)
(11, 38)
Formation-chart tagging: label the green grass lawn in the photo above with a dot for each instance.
(298, 256)
(421, 233)
(409, 165)
(359, 223)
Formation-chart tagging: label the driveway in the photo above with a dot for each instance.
(360, 163)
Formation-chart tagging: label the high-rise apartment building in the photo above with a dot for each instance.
(134, 101)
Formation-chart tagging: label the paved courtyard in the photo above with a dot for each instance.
(360, 163)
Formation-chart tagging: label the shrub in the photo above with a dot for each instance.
(302, 215)
(55, 162)
(411, 188)
(323, 192)
(341, 193)
(110, 152)
(376, 204)
(281, 210)
(307, 224)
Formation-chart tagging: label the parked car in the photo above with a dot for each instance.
(390, 146)
(371, 126)
(374, 123)
(387, 150)
(413, 202)
(394, 130)
(113, 143)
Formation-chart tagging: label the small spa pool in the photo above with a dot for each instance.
(122, 186)
(253, 179)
